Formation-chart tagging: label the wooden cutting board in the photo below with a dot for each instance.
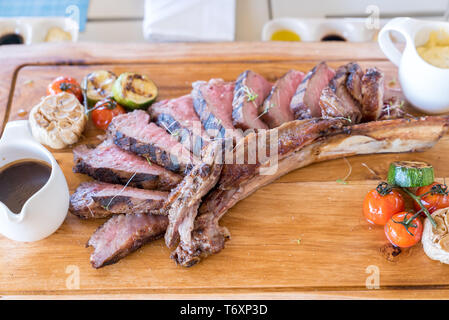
(303, 236)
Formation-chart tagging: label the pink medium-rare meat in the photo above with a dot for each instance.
(250, 92)
(213, 103)
(305, 103)
(135, 133)
(109, 163)
(276, 107)
(95, 199)
(179, 118)
(123, 234)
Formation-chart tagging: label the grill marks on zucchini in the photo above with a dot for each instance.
(134, 90)
(98, 85)
(409, 174)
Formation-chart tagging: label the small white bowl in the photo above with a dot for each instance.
(314, 29)
(35, 29)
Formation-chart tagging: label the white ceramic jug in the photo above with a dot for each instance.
(424, 85)
(45, 211)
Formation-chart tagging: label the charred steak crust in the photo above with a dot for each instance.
(291, 136)
(92, 200)
(86, 160)
(178, 117)
(151, 152)
(354, 81)
(194, 143)
(123, 234)
(183, 201)
(372, 94)
(134, 133)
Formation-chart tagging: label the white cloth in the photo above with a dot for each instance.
(189, 20)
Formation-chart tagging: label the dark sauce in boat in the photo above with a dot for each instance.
(20, 180)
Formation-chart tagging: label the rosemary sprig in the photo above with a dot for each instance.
(250, 94)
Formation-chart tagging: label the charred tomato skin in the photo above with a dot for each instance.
(378, 209)
(104, 111)
(67, 84)
(397, 233)
(432, 202)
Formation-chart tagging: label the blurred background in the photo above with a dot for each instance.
(32, 21)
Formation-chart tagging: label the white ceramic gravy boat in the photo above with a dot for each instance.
(424, 85)
(45, 211)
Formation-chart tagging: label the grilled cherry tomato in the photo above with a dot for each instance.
(403, 234)
(67, 84)
(381, 203)
(436, 197)
(104, 111)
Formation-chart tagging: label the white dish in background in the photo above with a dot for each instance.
(35, 29)
(314, 29)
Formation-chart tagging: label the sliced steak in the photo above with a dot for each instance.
(354, 81)
(99, 200)
(276, 108)
(123, 234)
(250, 92)
(213, 104)
(183, 202)
(372, 94)
(333, 107)
(322, 140)
(109, 163)
(178, 117)
(305, 103)
(336, 101)
(133, 132)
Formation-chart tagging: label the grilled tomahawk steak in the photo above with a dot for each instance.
(330, 140)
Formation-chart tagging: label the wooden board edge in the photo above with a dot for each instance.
(238, 294)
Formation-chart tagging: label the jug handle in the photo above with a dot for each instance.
(405, 26)
(18, 129)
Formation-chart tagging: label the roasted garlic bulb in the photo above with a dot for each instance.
(58, 120)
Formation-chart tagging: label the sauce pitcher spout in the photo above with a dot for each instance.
(8, 215)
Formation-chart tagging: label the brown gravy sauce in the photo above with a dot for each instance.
(21, 179)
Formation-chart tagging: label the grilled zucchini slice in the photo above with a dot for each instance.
(410, 174)
(134, 91)
(98, 85)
